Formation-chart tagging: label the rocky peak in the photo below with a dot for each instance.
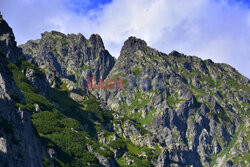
(133, 44)
(96, 41)
(77, 37)
(175, 53)
(70, 56)
(4, 27)
(187, 98)
(7, 42)
(53, 33)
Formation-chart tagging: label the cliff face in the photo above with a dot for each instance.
(19, 143)
(70, 56)
(172, 110)
(193, 108)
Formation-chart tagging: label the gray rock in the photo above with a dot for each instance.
(20, 145)
(69, 56)
(38, 81)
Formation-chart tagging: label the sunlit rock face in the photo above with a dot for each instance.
(170, 109)
(70, 56)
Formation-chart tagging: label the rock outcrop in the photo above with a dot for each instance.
(69, 56)
(192, 106)
(19, 143)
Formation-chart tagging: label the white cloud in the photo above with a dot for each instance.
(211, 29)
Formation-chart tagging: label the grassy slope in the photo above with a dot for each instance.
(60, 126)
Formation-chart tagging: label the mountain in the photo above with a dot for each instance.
(69, 56)
(19, 144)
(146, 108)
(193, 108)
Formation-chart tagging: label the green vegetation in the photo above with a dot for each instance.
(140, 101)
(234, 83)
(72, 124)
(103, 150)
(59, 39)
(75, 115)
(85, 67)
(243, 160)
(92, 106)
(181, 58)
(148, 119)
(47, 122)
(137, 70)
(133, 149)
(60, 128)
(46, 163)
(19, 78)
(142, 130)
(25, 65)
(172, 101)
(210, 81)
(27, 107)
(116, 76)
(142, 156)
(79, 112)
(118, 144)
(228, 148)
(68, 106)
(33, 98)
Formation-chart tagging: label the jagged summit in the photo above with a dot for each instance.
(70, 56)
(8, 43)
(53, 32)
(171, 110)
(183, 100)
(94, 39)
(133, 43)
(175, 53)
(4, 27)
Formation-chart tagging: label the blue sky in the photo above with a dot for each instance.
(82, 7)
(247, 2)
(210, 29)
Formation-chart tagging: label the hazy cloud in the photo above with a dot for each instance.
(215, 29)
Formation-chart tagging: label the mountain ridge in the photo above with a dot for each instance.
(173, 110)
